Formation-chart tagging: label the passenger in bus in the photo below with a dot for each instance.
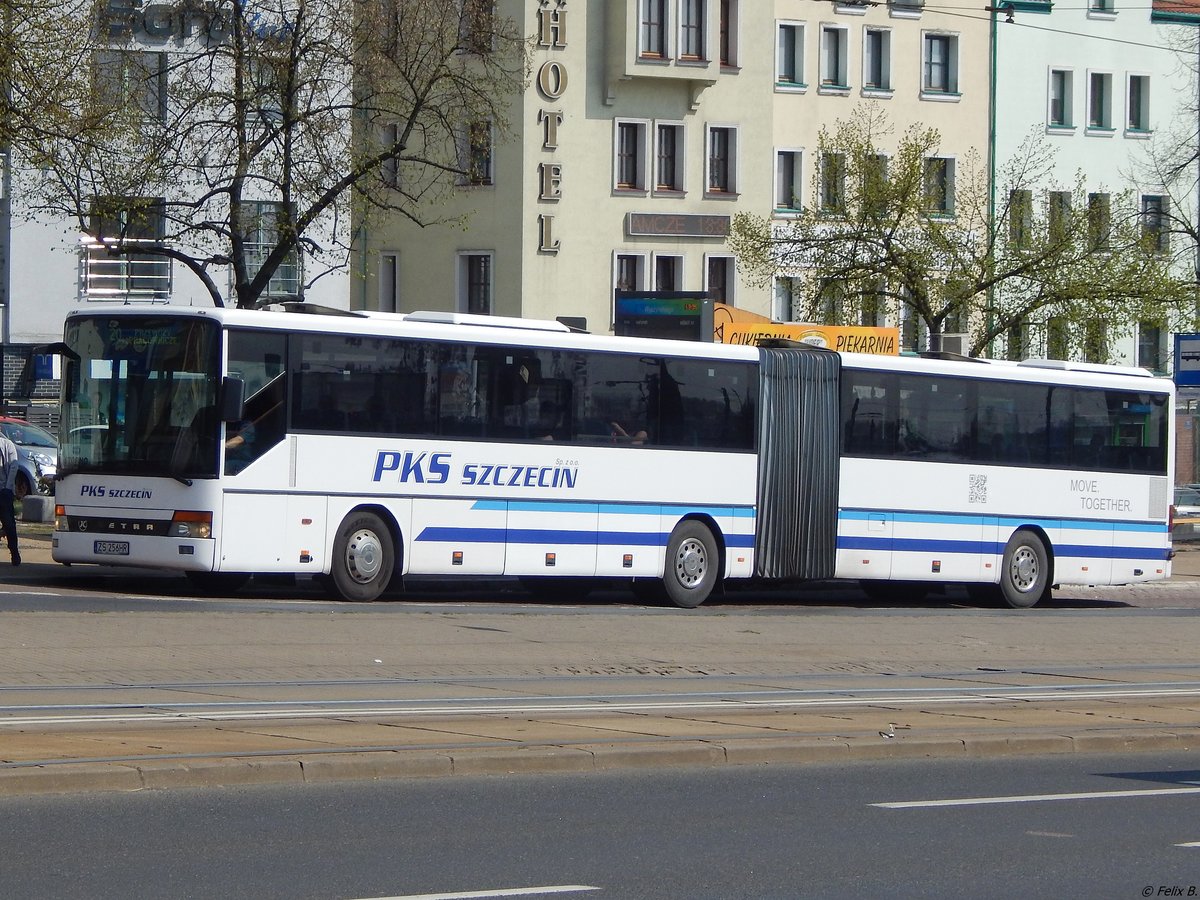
(621, 436)
(550, 422)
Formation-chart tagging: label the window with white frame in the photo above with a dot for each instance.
(939, 185)
(1020, 217)
(1138, 109)
(668, 156)
(668, 272)
(132, 79)
(1103, 9)
(834, 57)
(789, 55)
(833, 183)
(1058, 215)
(939, 63)
(629, 155)
(877, 59)
(475, 282)
(722, 159)
(788, 295)
(652, 30)
(691, 29)
(787, 181)
(719, 277)
(389, 282)
(1099, 221)
(127, 223)
(1100, 101)
(629, 271)
(1151, 347)
(264, 220)
(729, 32)
(1155, 224)
(1061, 99)
(475, 153)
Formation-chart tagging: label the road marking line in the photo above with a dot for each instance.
(510, 892)
(1037, 798)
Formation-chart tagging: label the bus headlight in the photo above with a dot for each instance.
(188, 523)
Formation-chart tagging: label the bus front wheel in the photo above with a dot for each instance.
(363, 557)
(692, 566)
(1025, 572)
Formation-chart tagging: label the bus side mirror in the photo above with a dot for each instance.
(233, 399)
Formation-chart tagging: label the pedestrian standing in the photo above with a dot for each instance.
(8, 483)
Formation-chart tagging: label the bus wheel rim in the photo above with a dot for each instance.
(364, 556)
(690, 563)
(1024, 570)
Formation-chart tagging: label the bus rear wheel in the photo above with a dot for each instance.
(1025, 572)
(692, 566)
(363, 558)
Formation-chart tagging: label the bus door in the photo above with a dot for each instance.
(799, 451)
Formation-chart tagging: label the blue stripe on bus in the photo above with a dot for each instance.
(923, 545)
(972, 519)
(450, 534)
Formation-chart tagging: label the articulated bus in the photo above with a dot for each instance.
(360, 448)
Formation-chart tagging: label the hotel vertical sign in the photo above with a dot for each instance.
(552, 85)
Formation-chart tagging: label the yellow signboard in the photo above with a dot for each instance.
(736, 326)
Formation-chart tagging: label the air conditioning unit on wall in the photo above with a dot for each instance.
(956, 343)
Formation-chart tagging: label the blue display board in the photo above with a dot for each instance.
(1187, 360)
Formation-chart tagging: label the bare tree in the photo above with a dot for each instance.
(894, 224)
(241, 135)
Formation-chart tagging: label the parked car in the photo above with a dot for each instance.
(37, 456)
(1187, 512)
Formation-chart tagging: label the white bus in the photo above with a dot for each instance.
(360, 448)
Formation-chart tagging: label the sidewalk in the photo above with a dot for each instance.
(184, 749)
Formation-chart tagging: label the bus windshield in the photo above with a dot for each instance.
(140, 396)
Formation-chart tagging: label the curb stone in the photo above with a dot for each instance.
(234, 771)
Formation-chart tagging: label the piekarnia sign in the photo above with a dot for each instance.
(124, 19)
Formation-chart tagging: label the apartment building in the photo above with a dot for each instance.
(1108, 83)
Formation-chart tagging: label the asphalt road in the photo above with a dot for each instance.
(1097, 826)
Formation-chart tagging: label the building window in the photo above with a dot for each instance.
(789, 55)
(788, 296)
(722, 160)
(1104, 8)
(1155, 227)
(1058, 217)
(875, 185)
(1058, 337)
(1099, 100)
(389, 282)
(787, 181)
(1095, 341)
(1020, 218)
(873, 311)
(1099, 215)
(630, 162)
(877, 59)
(113, 267)
(477, 26)
(1016, 342)
(833, 183)
(940, 64)
(691, 29)
(668, 272)
(389, 169)
(1138, 118)
(653, 29)
(1060, 99)
(475, 153)
(720, 274)
(475, 283)
(132, 79)
(668, 158)
(939, 185)
(729, 32)
(833, 57)
(265, 222)
(1150, 347)
(630, 272)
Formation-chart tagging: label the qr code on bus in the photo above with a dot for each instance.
(977, 489)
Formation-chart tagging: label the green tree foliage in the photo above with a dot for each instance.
(246, 134)
(893, 221)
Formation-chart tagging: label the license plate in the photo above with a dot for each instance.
(111, 548)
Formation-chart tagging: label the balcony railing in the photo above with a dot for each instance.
(125, 274)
